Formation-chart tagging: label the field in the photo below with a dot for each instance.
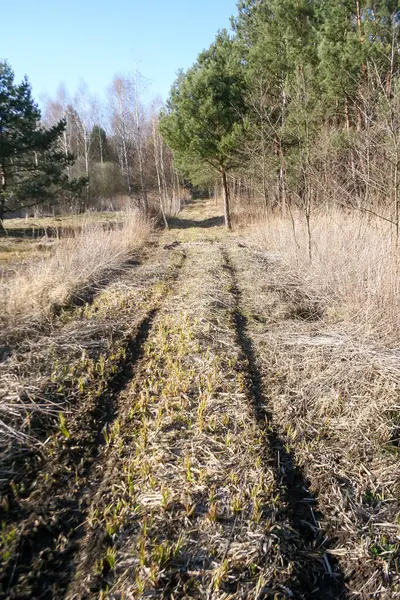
(211, 419)
(29, 238)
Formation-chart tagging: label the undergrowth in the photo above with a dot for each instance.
(76, 265)
(353, 272)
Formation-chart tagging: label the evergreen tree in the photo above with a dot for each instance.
(342, 50)
(99, 148)
(205, 113)
(316, 84)
(32, 166)
(278, 43)
(382, 29)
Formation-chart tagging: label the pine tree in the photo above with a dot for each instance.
(342, 51)
(32, 166)
(382, 29)
(205, 113)
(278, 44)
(99, 146)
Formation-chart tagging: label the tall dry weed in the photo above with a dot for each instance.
(354, 272)
(77, 263)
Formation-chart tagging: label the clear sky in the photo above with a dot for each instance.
(54, 41)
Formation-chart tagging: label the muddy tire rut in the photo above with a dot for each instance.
(315, 573)
(210, 504)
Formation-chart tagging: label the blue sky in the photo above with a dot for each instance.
(54, 41)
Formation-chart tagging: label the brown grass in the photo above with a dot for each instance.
(330, 366)
(242, 444)
(184, 467)
(74, 363)
(75, 265)
(34, 226)
(29, 239)
(354, 268)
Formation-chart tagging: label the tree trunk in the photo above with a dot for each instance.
(358, 11)
(2, 199)
(157, 166)
(263, 165)
(177, 206)
(138, 139)
(86, 148)
(282, 183)
(352, 161)
(227, 213)
(145, 203)
(164, 178)
(2, 228)
(308, 221)
(396, 199)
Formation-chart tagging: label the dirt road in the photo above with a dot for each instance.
(187, 467)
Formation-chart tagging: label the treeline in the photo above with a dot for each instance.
(117, 148)
(297, 106)
(81, 154)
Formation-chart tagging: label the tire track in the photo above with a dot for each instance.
(314, 574)
(92, 546)
(215, 520)
(52, 532)
(193, 520)
(61, 517)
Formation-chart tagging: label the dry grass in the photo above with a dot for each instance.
(37, 226)
(15, 251)
(75, 265)
(243, 444)
(354, 268)
(72, 365)
(330, 369)
(184, 498)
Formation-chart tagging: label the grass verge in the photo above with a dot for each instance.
(77, 264)
(354, 272)
(333, 398)
(57, 406)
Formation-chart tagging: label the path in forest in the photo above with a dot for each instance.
(178, 480)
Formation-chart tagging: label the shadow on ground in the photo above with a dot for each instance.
(315, 576)
(177, 223)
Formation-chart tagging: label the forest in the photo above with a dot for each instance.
(296, 107)
(108, 155)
